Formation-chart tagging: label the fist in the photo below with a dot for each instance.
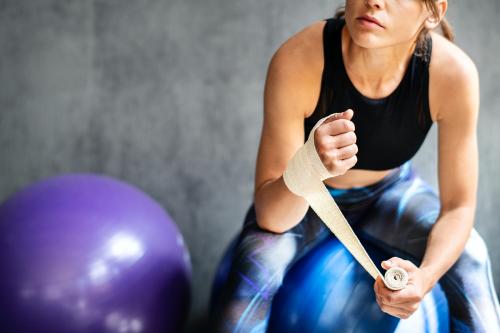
(402, 303)
(335, 143)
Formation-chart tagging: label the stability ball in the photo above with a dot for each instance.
(327, 290)
(90, 253)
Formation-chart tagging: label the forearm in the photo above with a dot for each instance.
(277, 209)
(446, 242)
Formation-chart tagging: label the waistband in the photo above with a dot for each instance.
(358, 193)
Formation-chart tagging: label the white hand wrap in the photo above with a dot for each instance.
(304, 176)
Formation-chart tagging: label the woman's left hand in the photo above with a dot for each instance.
(402, 303)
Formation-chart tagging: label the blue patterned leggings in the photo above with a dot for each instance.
(397, 213)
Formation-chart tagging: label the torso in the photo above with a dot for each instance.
(354, 177)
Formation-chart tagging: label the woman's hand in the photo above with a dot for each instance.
(402, 303)
(335, 143)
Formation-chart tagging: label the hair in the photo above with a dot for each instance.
(445, 26)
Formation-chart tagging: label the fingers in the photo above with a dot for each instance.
(349, 162)
(401, 298)
(387, 300)
(336, 126)
(405, 298)
(398, 262)
(382, 300)
(334, 141)
(338, 123)
(331, 143)
(395, 311)
(398, 309)
(344, 139)
(336, 131)
(347, 151)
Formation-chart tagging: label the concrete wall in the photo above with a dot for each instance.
(167, 95)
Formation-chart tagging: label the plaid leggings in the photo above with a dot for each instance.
(397, 214)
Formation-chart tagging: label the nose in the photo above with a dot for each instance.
(378, 4)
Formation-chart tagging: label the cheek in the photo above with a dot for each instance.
(404, 31)
(349, 5)
(407, 19)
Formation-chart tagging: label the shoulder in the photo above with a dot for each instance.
(303, 49)
(297, 65)
(449, 61)
(453, 75)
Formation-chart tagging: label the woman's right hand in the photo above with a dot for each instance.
(335, 142)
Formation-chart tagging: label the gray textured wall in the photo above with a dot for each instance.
(167, 95)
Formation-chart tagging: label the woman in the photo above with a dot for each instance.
(387, 76)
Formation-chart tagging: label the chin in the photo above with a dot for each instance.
(366, 39)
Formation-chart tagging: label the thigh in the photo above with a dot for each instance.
(258, 262)
(401, 218)
(272, 253)
(400, 222)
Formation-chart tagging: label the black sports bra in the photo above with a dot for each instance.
(389, 130)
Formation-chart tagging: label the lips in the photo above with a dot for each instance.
(370, 19)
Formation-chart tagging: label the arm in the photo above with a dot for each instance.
(457, 90)
(291, 89)
(457, 168)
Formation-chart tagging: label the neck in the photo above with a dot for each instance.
(375, 72)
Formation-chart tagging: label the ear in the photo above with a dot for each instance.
(432, 20)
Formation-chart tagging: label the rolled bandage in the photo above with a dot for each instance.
(304, 177)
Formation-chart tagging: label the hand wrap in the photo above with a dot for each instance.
(304, 177)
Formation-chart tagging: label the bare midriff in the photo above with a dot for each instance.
(357, 178)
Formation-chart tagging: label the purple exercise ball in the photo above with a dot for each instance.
(90, 253)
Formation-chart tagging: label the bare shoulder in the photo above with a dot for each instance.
(298, 63)
(305, 46)
(453, 75)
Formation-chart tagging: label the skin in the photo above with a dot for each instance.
(375, 61)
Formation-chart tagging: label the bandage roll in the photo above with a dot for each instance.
(304, 177)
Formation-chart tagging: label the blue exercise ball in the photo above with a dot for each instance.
(90, 253)
(327, 290)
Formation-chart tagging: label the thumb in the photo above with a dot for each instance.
(386, 264)
(398, 262)
(347, 114)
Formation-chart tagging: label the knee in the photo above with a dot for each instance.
(262, 252)
(262, 248)
(256, 267)
(475, 254)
